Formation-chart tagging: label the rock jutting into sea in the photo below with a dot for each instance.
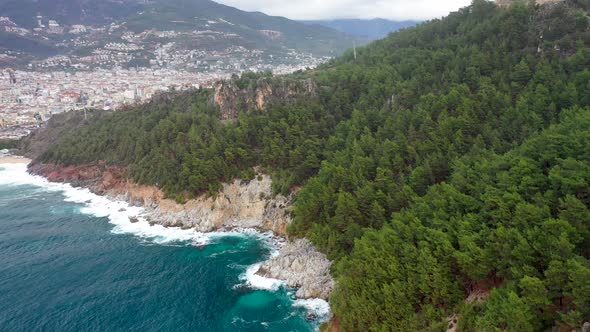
(302, 267)
(239, 205)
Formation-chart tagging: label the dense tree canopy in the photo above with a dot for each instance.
(519, 220)
(446, 160)
(8, 144)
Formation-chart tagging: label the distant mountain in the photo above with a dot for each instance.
(24, 12)
(201, 25)
(371, 29)
(257, 28)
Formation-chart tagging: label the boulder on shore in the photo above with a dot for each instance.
(303, 267)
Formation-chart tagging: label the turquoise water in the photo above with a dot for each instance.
(69, 261)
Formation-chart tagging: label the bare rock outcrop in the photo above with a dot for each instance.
(238, 205)
(303, 267)
(231, 97)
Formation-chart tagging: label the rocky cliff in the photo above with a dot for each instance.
(240, 204)
(245, 204)
(303, 267)
(235, 95)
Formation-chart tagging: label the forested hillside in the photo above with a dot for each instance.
(446, 170)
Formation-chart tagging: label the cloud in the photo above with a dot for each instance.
(328, 9)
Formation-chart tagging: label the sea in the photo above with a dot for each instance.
(72, 261)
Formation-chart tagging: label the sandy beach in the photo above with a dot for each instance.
(14, 160)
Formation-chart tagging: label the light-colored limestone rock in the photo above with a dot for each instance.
(302, 267)
(239, 204)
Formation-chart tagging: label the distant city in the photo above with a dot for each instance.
(108, 75)
(28, 98)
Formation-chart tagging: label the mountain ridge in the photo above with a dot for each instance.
(67, 27)
(366, 28)
(24, 12)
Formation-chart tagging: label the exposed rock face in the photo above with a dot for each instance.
(452, 323)
(230, 98)
(302, 266)
(239, 204)
(272, 34)
(93, 176)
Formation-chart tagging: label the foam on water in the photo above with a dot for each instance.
(118, 212)
(258, 282)
(319, 307)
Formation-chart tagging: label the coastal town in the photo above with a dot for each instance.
(29, 98)
(107, 67)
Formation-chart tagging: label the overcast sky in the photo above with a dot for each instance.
(328, 9)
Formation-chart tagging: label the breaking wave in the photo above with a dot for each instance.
(119, 213)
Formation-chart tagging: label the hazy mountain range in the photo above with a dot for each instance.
(371, 29)
(23, 12)
(227, 26)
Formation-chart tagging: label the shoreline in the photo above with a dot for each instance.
(296, 264)
(11, 159)
(120, 212)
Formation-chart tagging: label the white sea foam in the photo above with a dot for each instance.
(319, 307)
(258, 282)
(118, 212)
(16, 174)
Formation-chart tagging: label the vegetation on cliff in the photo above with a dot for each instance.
(447, 160)
(8, 144)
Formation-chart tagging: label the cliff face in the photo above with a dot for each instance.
(231, 98)
(238, 204)
(303, 267)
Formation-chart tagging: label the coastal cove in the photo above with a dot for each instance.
(437, 179)
(80, 260)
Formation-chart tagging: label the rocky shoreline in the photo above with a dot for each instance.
(302, 267)
(239, 205)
